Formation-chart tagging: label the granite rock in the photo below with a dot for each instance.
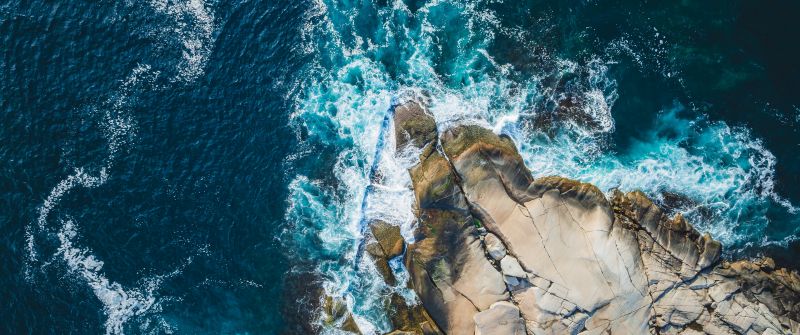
(562, 257)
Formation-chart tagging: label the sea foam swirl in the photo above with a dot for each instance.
(194, 24)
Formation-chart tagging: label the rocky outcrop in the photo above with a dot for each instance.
(410, 320)
(387, 244)
(412, 124)
(388, 238)
(335, 314)
(498, 252)
(381, 261)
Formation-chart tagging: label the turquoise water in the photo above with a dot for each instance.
(207, 167)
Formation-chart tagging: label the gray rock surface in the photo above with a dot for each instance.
(510, 267)
(494, 247)
(501, 318)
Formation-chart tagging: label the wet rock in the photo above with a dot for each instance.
(350, 325)
(407, 319)
(448, 246)
(388, 237)
(381, 262)
(673, 202)
(388, 244)
(336, 315)
(413, 125)
(570, 109)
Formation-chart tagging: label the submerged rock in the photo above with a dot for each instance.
(559, 257)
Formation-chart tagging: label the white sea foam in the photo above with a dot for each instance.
(119, 304)
(193, 23)
(392, 199)
(118, 126)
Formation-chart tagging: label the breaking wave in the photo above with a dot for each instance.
(719, 176)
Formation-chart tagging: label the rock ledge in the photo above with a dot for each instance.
(498, 252)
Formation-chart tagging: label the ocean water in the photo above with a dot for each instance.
(199, 166)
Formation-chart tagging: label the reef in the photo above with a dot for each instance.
(499, 252)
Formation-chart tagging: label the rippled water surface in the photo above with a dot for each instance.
(199, 166)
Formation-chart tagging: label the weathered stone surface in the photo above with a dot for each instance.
(501, 318)
(723, 290)
(570, 259)
(678, 308)
(381, 262)
(407, 319)
(336, 315)
(388, 237)
(511, 267)
(494, 247)
(413, 125)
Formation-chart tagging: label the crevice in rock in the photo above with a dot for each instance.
(503, 180)
(589, 242)
(453, 288)
(661, 288)
(544, 246)
(628, 271)
(644, 271)
(472, 207)
(669, 252)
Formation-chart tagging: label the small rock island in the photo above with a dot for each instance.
(499, 252)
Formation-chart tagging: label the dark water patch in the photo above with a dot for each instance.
(182, 198)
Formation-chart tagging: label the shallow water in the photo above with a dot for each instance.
(205, 167)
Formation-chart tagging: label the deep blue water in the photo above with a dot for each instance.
(201, 167)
